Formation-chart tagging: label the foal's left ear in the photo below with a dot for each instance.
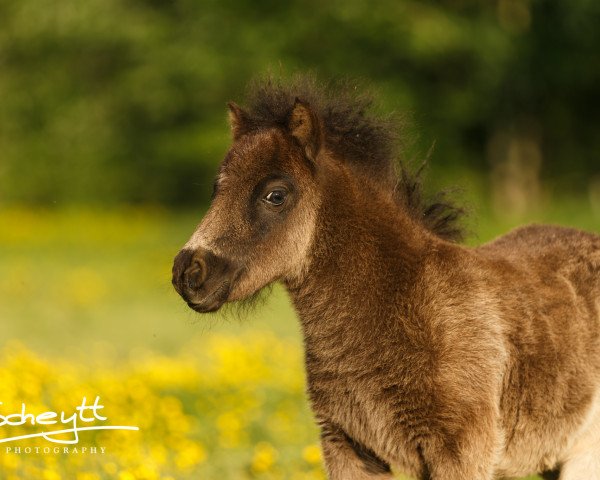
(304, 127)
(238, 120)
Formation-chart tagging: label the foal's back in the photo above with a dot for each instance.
(547, 281)
(540, 240)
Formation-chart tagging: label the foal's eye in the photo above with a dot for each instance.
(276, 197)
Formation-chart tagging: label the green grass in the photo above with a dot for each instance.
(78, 278)
(78, 283)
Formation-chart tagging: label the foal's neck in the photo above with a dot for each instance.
(367, 254)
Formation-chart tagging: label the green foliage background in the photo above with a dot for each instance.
(112, 101)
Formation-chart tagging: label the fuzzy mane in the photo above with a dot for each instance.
(367, 141)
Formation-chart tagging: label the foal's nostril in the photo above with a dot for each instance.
(190, 271)
(180, 264)
(203, 279)
(195, 274)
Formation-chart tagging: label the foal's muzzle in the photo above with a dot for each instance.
(203, 279)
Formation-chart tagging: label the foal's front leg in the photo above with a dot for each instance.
(346, 460)
(469, 453)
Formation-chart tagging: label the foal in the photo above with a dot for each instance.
(441, 361)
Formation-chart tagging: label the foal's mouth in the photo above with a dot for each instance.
(214, 300)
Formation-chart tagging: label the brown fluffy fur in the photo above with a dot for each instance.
(422, 355)
(365, 141)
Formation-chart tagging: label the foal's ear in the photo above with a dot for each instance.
(304, 127)
(238, 120)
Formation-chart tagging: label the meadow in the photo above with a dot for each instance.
(87, 309)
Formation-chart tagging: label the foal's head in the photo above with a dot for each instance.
(269, 189)
(261, 220)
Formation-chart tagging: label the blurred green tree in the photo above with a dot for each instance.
(110, 101)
